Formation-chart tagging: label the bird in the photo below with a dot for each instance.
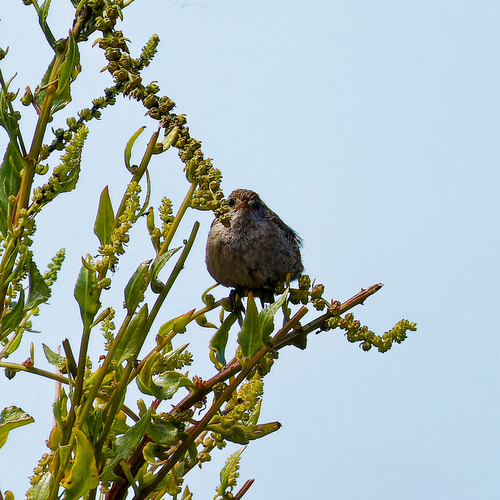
(258, 251)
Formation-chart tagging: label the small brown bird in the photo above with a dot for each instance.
(258, 250)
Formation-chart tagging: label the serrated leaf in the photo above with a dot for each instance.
(218, 342)
(10, 418)
(126, 444)
(137, 285)
(83, 475)
(132, 341)
(129, 146)
(39, 292)
(250, 336)
(105, 219)
(228, 473)
(87, 294)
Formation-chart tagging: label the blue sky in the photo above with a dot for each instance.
(370, 127)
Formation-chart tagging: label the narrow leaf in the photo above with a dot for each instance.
(177, 324)
(219, 341)
(132, 341)
(129, 146)
(43, 12)
(134, 291)
(266, 317)
(243, 434)
(87, 293)
(250, 337)
(105, 219)
(158, 264)
(10, 182)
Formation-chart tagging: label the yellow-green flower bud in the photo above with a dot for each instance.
(27, 98)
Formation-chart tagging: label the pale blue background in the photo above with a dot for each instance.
(372, 128)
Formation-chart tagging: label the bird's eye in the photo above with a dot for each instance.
(230, 202)
(256, 204)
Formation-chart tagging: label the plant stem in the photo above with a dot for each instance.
(37, 371)
(320, 323)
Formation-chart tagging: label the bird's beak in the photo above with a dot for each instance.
(241, 205)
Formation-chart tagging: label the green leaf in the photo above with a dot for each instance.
(166, 384)
(145, 205)
(67, 73)
(162, 431)
(39, 292)
(42, 18)
(83, 475)
(250, 336)
(133, 339)
(128, 148)
(125, 445)
(13, 343)
(10, 182)
(219, 341)
(256, 327)
(10, 418)
(177, 325)
(11, 320)
(242, 434)
(228, 474)
(134, 291)
(105, 219)
(7, 120)
(61, 409)
(266, 317)
(53, 358)
(41, 490)
(156, 284)
(187, 495)
(87, 293)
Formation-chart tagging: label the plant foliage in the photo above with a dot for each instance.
(98, 444)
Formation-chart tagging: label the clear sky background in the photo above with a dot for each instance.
(372, 128)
